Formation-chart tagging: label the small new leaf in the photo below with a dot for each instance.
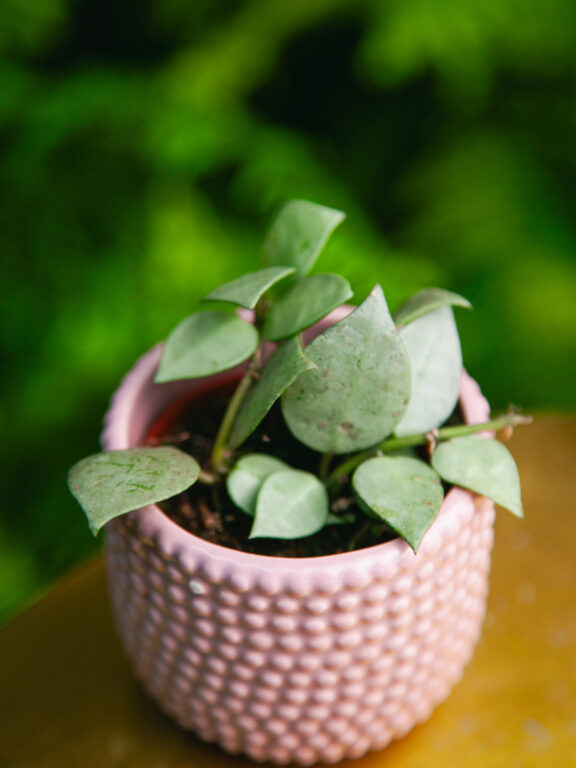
(110, 484)
(246, 478)
(248, 289)
(361, 387)
(405, 493)
(426, 301)
(310, 299)
(482, 465)
(433, 346)
(299, 233)
(206, 343)
(283, 368)
(291, 504)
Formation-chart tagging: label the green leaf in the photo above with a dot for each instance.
(405, 493)
(206, 343)
(426, 301)
(110, 484)
(299, 233)
(246, 290)
(246, 478)
(433, 346)
(361, 387)
(291, 504)
(284, 367)
(310, 299)
(483, 466)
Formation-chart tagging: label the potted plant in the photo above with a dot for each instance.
(315, 580)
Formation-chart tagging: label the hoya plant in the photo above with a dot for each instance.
(363, 395)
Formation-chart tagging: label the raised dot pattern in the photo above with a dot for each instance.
(299, 667)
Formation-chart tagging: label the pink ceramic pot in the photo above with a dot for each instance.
(283, 659)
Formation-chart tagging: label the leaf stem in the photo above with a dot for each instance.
(221, 441)
(508, 421)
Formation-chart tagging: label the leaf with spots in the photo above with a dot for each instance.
(110, 484)
(291, 504)
(483, 466)
(405, 493)
(247, 476)
(360, 387)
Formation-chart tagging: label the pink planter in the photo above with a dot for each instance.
(283, 659)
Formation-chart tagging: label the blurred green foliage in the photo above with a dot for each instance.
(145, 146)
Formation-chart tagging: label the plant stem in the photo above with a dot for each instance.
(508, 421)
(261, 310)
(207, 478)
(324, 465)
(221, 441)
(362, 531)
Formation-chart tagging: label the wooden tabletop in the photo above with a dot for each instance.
(67, 699)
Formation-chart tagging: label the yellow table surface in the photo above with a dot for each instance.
(67, 699)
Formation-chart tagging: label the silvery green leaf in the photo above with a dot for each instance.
(206, 343)
(246, 290)
(433, 346)
(426, 301)
(110, 484)
(361, 386)
(310, 299)
(284, 367)
(291, 504)
(299, 233)
(405, 493)
(246, 478)
(483, 466)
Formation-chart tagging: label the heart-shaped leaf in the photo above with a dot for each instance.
(291, 504)
(284, 367)
(405, 493)
(433, 346)
(299, 233)
(247, 476)
(361, 387)
(206, 343)
(246, 290)
(110, 484)
(483, 466)
(426, 301)
(310, 299)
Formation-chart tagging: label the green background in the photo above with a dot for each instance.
(147, 144)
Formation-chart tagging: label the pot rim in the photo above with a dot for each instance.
(457, 509)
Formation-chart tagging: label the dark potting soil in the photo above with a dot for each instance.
(207, 512)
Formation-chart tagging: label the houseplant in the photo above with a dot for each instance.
(346, 645)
